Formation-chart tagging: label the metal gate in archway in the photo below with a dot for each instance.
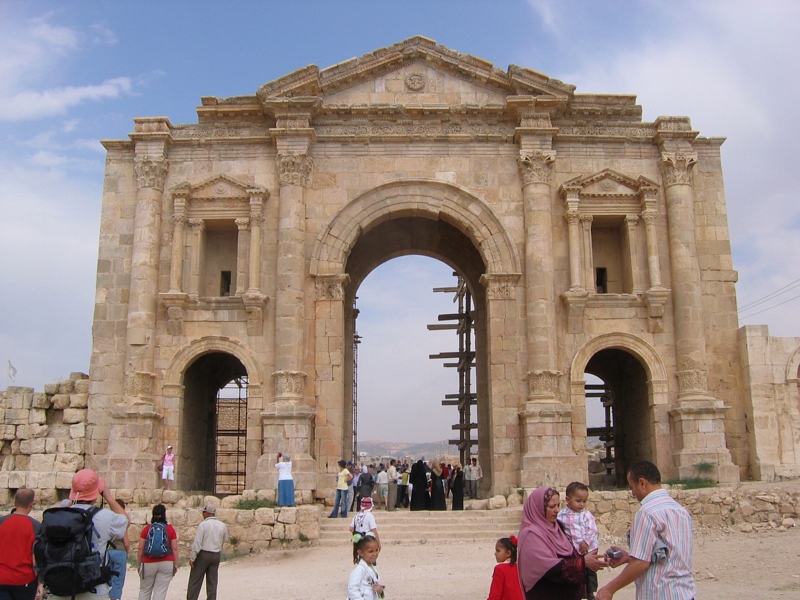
(230, 461)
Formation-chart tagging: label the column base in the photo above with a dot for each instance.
(134, 447)
(698, 429)
(288, 427)
(549, 457)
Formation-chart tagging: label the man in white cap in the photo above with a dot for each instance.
(167, 468)
(205, 555)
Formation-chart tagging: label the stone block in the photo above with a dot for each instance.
(77, 375)
(66, 386)
(23, 431)
(33, 446)
(266, 495)
(307, 514)
(40, 400)
(60, 401)
(310, 530)
(64, 481)
(8, 432)
(50, 445)
(46, 481)
(514, 499)
(77, 446)
(51, 389)
(79, 400)
(37, 416)
(497, 502)
(278, 531)
(265, 516)
(291, 532)
(170, 497)
(212, 500)
(39, 431)
(287, 515)
(82, 386)
(230, 501)
(227, 515)
(16, 416)
(42, 462)
(74, 415)
(3, 479)
(77, 431)
(68, 463)
(17, 479)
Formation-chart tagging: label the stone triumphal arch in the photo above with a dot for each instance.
(592, 242)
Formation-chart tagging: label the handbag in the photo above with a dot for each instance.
(160, 465)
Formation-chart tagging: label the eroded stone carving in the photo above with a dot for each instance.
(289, 385)
(543, 384)
(331, 287)
(150, 173)
(139, 386)
(500, 286)
(676, 167)
(294, 169)
(536, 167)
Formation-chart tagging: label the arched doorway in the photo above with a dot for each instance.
(435, 239)
(623, 392)
(212, 446)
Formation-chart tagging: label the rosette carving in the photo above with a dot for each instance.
(150, 173)
(536, 166)
(294, 169)
(676, 167)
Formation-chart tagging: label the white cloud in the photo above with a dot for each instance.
(33, 105)
(103, 35)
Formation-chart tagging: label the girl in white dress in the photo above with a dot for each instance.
(365, 582)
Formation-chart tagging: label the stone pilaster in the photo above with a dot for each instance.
(242, 253)
(175, 299)
(638, 285)
(588, 256)
(254, 300)
(289, 422)
(197, 227)
(697, 420)
(575, 298)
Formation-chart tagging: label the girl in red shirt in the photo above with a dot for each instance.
(505, 579)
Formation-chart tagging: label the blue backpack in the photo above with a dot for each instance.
(157, 543)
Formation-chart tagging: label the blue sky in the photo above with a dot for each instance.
(72, 73)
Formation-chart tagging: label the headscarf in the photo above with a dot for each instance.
(436, 470)
(542, 544)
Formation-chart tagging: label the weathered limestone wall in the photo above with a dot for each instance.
(43, 437)
(771, 382)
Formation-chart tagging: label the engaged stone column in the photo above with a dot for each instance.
(254, 300)
(242, 252)
(546, 422)
(698, 418)
(633, 251)
(175, 299)
(588, 257)
(288, 421)
(197, 228)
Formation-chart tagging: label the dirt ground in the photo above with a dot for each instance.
(730, 566)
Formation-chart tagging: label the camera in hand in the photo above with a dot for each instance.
(611, 553)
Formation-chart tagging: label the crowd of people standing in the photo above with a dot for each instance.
(417, 486)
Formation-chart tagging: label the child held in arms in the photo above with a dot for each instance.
(580, 527)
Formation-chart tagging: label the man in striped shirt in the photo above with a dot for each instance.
(660, 556)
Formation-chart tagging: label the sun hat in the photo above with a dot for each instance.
(86, 486)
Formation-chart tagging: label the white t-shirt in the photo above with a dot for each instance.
(383, 477)
(363, 522)
(284, 470)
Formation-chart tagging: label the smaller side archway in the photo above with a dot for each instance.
(635, 382)
(194, 388)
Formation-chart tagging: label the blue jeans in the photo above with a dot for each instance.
(341, 498)
(118, 561)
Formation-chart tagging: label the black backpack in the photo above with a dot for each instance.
(68, 564)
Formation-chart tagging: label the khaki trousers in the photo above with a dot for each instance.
(154, 579)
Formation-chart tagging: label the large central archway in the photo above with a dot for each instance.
(445, 222)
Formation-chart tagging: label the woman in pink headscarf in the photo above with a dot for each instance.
(549, 566)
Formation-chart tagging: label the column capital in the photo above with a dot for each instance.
(150, 172)
(294, 169)
(649, 215)
(631, 220)
(242, 223)
(197, 224)
(179, 218)
(500, 286)
(586, 219)
(331, 287)
(676, 167)
(573, 217)
(536, 166)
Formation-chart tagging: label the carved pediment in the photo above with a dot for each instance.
(218, 187)
(424, 65)
(608, 184)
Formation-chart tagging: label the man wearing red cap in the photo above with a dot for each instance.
(87, 487)
(17, 534)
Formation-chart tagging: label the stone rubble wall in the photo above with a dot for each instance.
(43, 437)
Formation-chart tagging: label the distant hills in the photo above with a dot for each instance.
(377, 448)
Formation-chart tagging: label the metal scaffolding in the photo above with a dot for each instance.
(230, 458)
(606, 433)
(465, 399)
(356, 342)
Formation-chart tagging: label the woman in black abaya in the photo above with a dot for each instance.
(419, 491)
(437, 489)
(457, 487)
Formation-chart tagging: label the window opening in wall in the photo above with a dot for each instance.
(225, 283)
(601, 280)
(231, 439)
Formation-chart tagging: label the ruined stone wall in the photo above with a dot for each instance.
(43, 439)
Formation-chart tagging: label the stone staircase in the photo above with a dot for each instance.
(420, 527)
